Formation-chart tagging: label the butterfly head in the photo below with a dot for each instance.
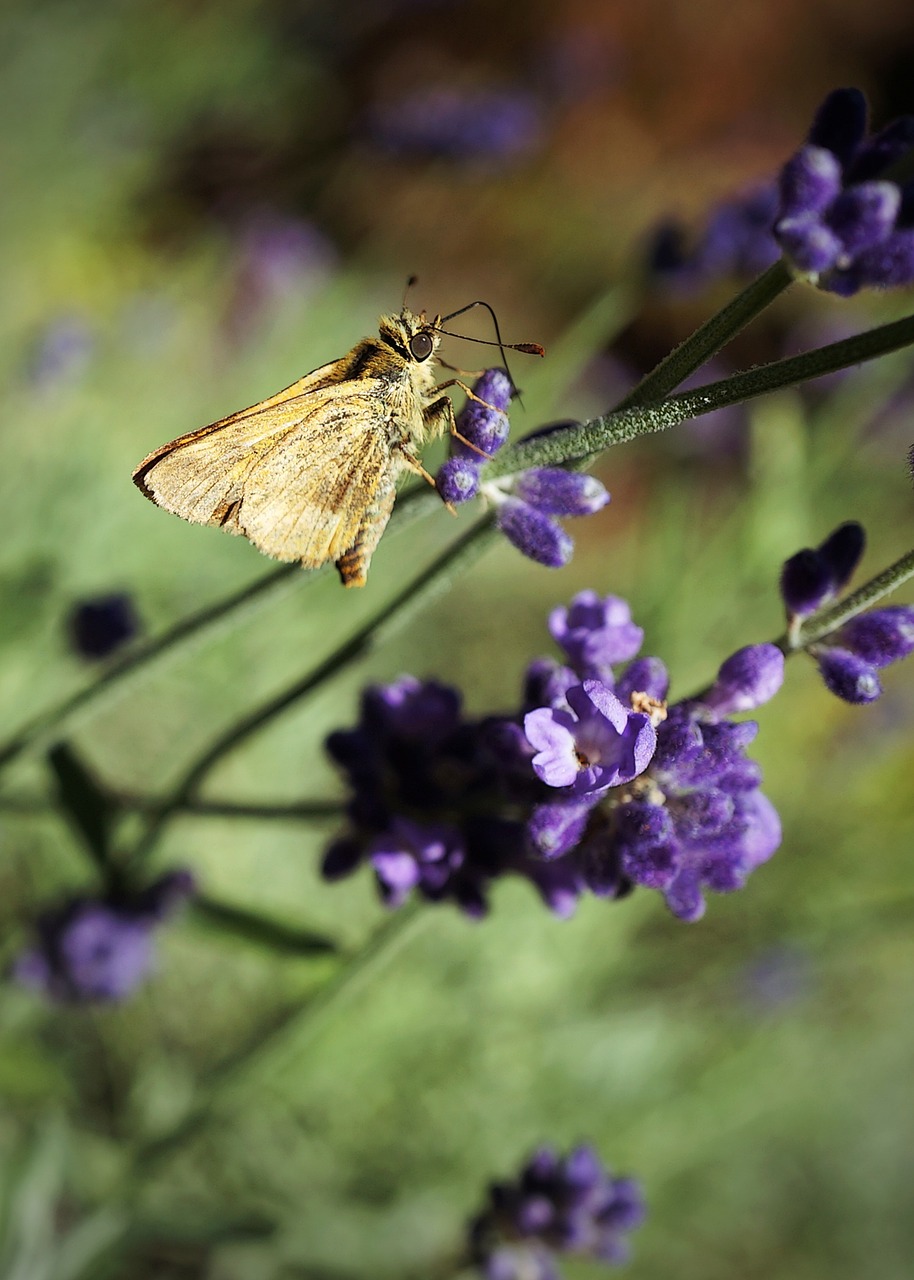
(413, 337)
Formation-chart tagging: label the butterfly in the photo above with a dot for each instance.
(310, 473)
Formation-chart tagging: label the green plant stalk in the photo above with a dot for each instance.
(582, 442)
(126, 802)
(394, 615)
(710, 337)
(240, 922)
(290, 1033)
(52, 725)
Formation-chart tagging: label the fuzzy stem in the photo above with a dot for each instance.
(710, 338)
(584, 441)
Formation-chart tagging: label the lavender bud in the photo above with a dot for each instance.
(847, 676)
(880, 637)
(810, 180)
(749, 678)
(840, 123)
(99, 627)
(485, 425)
(458, 479)
(535, 535)
(560, 493)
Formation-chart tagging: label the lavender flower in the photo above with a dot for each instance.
(842, 224)
(435, 798)
(590, 743)
(90, 949)
(526, 502)
(737, 240)
(594, 785)
(466, 125)
(569, 1205)
(850, 657)
(101, 626)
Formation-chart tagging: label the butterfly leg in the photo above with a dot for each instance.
(442, 411)
(352, 565)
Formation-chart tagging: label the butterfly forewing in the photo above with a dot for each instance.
(295, 474)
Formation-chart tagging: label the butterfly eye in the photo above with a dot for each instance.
(421, 345)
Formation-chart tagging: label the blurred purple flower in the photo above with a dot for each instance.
(61, 353)
(468, 125)
(96, 950)
(101, 626)
(569, 1205)
(276, 256)
(840, 223)
(736, 240)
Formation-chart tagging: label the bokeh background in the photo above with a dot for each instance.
(200, 203)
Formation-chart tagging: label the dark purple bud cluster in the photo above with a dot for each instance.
(557, 1205)
(435, 799)
(99, 949)
(527, 503)
(851, 657)
(737, 240)
(594, 785)
(99, 627)
(466, 125)
(841, 223)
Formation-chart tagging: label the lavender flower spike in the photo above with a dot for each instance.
(555, 1206)
(92, 950)
(595, 744)
(841, 223)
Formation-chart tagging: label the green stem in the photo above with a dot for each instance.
(292, 1031)
(223, 917)
(52, 725)
(386, 622)
(585, 440)
(710, 338)
(306, 811)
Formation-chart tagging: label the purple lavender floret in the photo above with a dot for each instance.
(849, 657)
(814, 576)
(596, 633)
(840, 222)
(593, 786)
(692, 818)
(737, 240)
(571, 1205)
(527, 503)
(94, 950)
(434, 795)
(591, 743)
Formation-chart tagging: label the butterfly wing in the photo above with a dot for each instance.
(297, 474)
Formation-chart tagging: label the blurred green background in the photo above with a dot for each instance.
(200, 203)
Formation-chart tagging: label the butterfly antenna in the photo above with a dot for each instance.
(529, 348)
(410, 283)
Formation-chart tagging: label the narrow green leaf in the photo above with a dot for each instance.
(84, 801)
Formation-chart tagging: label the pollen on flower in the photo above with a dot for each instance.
(654, 708)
